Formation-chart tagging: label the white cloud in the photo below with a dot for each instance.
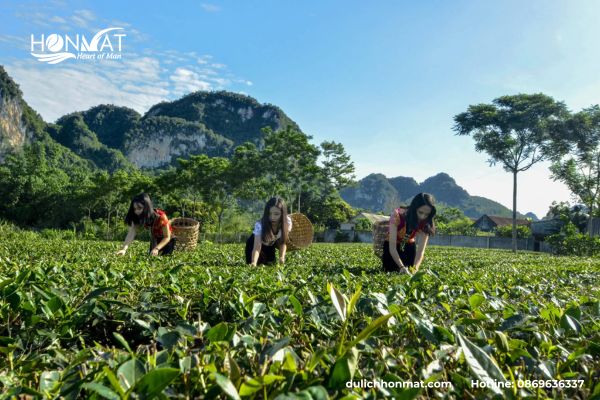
(54, 92)
(186, 81)
(59, 20)
(85, 14)
(210, 7)
(204, 59)
(140, 80)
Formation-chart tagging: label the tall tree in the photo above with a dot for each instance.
(514, 131)
(291, 163)
(212, 178)
(338, 167)
(249, 170)
(579, 167)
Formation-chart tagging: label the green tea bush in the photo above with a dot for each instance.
(79, 322)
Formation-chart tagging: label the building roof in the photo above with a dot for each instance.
(371, 217)
(503, 221)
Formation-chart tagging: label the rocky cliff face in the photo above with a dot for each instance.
(158, 141)
(15, 132)
(114, 137)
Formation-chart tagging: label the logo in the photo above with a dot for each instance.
(55, 48)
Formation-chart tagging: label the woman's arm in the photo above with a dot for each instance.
(256, 249)
(392, 246)
(422, 239)
(128, 239)
(162, 243)
(282, 250)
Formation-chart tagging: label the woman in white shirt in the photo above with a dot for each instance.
(269, 232)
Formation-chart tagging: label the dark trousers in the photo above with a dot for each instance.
(407, 256)
(266, 254)
(168, 249)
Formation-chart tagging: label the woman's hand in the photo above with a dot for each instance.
(154, 251)
(282, 260)
(121, 252)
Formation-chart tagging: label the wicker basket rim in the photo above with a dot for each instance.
(301, 235)
(192, 222)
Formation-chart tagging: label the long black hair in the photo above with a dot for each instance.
(267, 232)
(148, 215)
(412, 221)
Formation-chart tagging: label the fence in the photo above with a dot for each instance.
(484, 242)
(239, 237)
(332, 235)
(593, 227)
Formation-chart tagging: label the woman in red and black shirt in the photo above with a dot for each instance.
(408, 234)
(142, 213)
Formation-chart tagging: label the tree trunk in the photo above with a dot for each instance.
(107, 225)
(514, 221)
(219, 219)
(116, 222)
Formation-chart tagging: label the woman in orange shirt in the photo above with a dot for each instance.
(408, 234)
(142, 213)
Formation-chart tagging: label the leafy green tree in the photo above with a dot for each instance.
(34, 192)
(506, 231)
(363, 224)
(337, 166)
(514, 131)
(212, 178)
(249, 173)
(576, 214)
(579, 167)
(291, 163)
(448, 214)
(452, 221)
(329, 210)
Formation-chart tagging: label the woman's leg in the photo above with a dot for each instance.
(267, 255)
(249, 248)
(388, 263)
(408, 254)
(168, 249)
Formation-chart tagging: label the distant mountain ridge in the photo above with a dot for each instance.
(377, 193)
(113, 137)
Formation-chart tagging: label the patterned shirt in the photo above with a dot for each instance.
(258, 231)
(156, 230)
(398, 222)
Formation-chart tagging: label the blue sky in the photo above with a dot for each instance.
(384, 78)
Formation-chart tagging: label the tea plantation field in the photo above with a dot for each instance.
(78, 322)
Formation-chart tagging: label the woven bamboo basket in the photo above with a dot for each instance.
(380, 229)
(186, 232)
(301, 235)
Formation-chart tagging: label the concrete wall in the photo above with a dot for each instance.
(482, 242)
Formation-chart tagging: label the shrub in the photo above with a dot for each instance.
(363, 224)
(569, 241)
(462, 226)
(506, 231)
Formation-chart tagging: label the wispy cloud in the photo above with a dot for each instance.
(137, 83)
(210, 7)
(83, 18)
(186, 81)
(54, 92)
(140, 80)
(45, 18)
